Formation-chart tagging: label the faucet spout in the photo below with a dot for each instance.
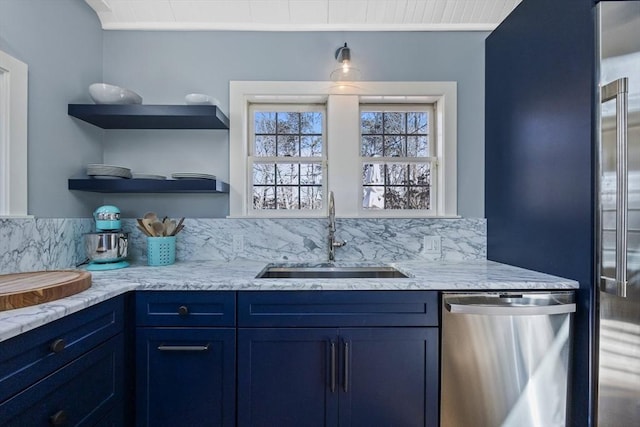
(333, 243)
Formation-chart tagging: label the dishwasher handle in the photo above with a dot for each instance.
(510, 305)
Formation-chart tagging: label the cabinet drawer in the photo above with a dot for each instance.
(80, 394)
(185, 308)
(31, 356)
(337, 308)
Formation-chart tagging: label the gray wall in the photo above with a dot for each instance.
(66, 50)
(164, 66)
(61, 42)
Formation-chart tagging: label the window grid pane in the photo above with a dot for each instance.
(288, 134)
(287, 185)
(403, 133)
(396, 186)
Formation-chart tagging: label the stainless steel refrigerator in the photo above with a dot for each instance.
(618, 325)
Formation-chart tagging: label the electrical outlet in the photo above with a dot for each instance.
(432, 245)
(238, 243)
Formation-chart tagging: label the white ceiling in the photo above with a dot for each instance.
(303, 15)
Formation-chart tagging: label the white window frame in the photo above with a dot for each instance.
(344, 175)
(13, 136)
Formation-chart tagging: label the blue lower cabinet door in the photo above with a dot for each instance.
(81, 393)
(287, 377)
(185, 377)
(389, 377)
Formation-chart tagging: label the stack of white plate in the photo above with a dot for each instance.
(96, 170)
(192, 176)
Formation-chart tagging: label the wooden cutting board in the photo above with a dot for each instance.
(25, 289)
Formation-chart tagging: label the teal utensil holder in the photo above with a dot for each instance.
(161, 250)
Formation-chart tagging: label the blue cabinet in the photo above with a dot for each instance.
(389, 376)
(80, 394)
(370, 370)
(185, 376)
(331, 377)
(295, 358)
(287, 377)
(69, 372)
(185, 359)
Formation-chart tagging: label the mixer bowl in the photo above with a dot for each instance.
(106, 247)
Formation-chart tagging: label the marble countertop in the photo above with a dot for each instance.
(475, 275)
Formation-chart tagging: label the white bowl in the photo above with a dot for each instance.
(200, 99)
(103, 93)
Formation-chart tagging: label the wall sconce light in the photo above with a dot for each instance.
(346, 71)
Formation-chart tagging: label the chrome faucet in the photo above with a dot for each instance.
(333, 243)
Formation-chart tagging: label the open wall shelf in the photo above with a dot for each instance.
(148, 185)
(138, 116)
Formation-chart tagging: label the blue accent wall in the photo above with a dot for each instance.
(539, 173)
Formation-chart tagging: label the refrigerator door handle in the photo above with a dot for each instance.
(618, 90)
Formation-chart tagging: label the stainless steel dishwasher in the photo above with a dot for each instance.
(505, 358)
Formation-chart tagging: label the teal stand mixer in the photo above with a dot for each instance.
(107, 247)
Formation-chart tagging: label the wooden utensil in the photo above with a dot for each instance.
(158, 228)
(25, 289)
(150, 215)
(142, 227)
(147, 223)
(170, 228)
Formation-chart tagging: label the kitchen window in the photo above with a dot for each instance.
(385, 149)
(13, 136)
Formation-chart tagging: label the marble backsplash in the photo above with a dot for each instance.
(48, 244)
(31, 244)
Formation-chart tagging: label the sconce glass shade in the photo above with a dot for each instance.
(346, 71)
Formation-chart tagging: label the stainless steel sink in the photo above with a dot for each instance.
(328, 271)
